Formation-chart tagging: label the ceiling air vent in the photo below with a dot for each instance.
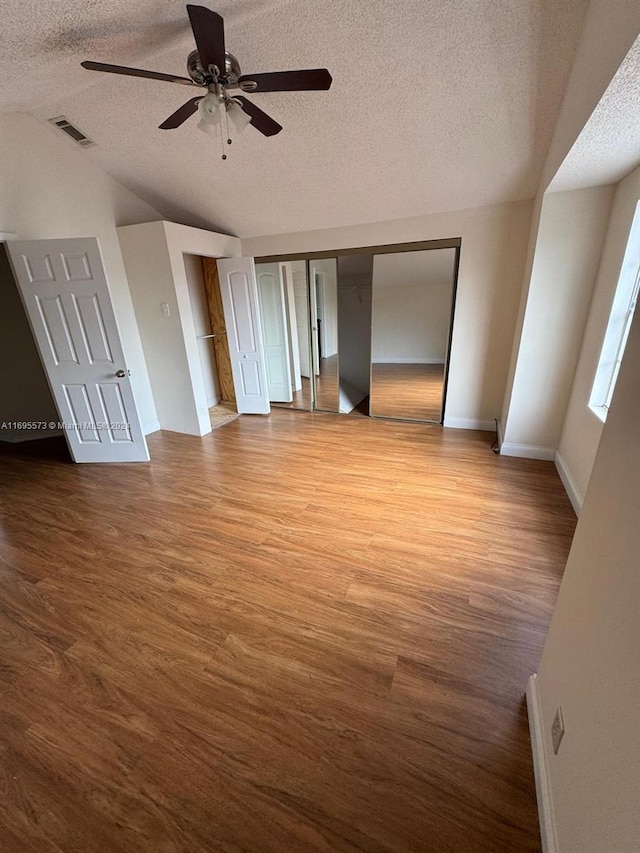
(75, 134)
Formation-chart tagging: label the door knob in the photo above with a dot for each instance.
(120, 374)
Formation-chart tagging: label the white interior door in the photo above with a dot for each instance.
(301, 297)
(286, 274)
(273, 314)
(65, 294)
(242, 317)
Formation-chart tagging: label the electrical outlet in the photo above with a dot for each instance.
(166, 311)
(557, 730)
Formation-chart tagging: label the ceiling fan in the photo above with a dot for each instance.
(212, 68)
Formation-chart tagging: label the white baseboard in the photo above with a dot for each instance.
(407, 360)
(528, 451)
(213, 401)
(569, 483)
(541, 770)
(470, 423)
(150, 426)
(18, 436)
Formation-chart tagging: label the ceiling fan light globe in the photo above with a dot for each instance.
(237, 116)
(207, 127)
(209, 110)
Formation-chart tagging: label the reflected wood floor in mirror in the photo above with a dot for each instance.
(297, 633)
(326, 389)
(327, 385)
(407, 391)
(301, 398)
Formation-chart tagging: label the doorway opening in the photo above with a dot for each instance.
(211, 336)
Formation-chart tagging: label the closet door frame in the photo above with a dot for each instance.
(445, 377)
(382, 249)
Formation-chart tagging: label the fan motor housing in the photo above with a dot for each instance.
(202, 77)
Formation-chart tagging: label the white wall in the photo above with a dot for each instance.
(154, 258)
(493, 254)
(568, 247)
(412, 306)
(24, 391)
(202, 325)
(591, 660)
(608, 33)
(582, 428)
(52, 190)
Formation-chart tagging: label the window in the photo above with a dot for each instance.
(615, 339)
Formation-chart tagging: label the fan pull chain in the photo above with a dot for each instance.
(224, 156)
(226, 116)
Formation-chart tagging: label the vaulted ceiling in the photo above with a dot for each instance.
(436, 104)
(608, 147)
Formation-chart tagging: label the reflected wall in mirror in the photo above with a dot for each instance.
(354, 331)
(412, 311)
(324, 332)
(284, 316)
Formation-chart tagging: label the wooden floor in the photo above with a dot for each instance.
(404, 391)
(298, 633)
(222, 413)
(327, 385)
(301, 399)
(407, 391)
(326, 389)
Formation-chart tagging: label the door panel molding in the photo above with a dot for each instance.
(64, 291)
(240, 302)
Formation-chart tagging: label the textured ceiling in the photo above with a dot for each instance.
(609, 146)
(436, 104)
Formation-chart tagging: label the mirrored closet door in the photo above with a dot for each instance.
(354, 332)
(413, 294)
(363, 333)
(283, 293)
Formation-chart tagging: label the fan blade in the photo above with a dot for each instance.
(289, 81)
(137, 72)
(259, 119)
(208, 31)
(181, 114)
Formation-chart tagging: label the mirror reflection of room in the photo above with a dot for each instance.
(324, 332)
(284, 313)
(354, 332)
(412, 307)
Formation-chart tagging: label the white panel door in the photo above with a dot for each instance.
(273, 314)
(244, 335)
(286, 274)
(65, 294)
(301, 299)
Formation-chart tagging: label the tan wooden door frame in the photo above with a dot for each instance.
(218, 329)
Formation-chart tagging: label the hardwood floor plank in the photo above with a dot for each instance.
(304, 632)
(407, 390)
